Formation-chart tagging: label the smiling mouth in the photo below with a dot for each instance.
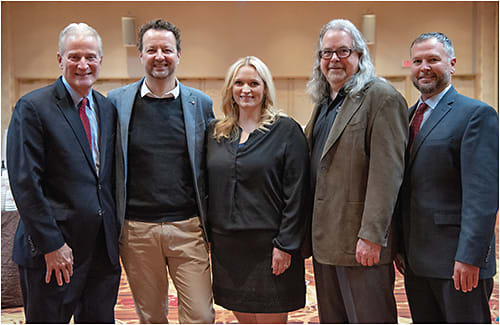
(426, 78)
(160, 65)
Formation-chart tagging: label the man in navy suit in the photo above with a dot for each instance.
(60, 156)
(449, 198)
(161, 197)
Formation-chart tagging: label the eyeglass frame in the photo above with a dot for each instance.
(335, 51)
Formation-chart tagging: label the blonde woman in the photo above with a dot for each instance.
(258, 178)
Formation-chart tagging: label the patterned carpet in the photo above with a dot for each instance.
(125, 312)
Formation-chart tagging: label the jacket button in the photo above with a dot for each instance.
(99, 212)
(32, 246)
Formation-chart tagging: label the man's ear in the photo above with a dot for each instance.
(452, 65)
(59, 60)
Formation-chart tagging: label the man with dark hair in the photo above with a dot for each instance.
(357, 135)
(60, 154)
(161, 197)
(449, 198)
(160, 24)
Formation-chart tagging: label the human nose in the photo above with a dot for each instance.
(425, 66)
(335, 56)
(159, 55)
(83, 63)
(245, 88)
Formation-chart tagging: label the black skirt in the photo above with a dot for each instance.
(242, 274)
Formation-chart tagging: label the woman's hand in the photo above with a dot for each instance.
(281, 261)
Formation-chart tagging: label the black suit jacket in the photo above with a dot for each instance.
(449, 197)
(59, 195)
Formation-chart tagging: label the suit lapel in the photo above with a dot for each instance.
(189, 103)
(411, 111)
(100, 106)
(443, 107)
(346, 112)
(124, 108)
(65, 105)
(310, 126)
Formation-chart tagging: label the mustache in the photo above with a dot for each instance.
(335, 66)
(424, 75)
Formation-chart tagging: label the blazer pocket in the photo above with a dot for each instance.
(355, 125)
(447, 219)
(357, 122)
(439, 141)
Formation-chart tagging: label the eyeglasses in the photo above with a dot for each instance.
(342, 53)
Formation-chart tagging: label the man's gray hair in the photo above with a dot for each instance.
(78, 29)
(441, 38)
(318, 87)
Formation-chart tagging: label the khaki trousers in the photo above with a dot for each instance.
(148, 249)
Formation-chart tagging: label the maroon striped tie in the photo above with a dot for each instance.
(85, 120)
(416, 122)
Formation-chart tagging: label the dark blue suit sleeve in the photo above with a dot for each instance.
(479, 173)
(26, 151)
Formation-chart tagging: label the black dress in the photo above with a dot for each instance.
(259, 198)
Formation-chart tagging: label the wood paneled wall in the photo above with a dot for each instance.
(282, 33)
(290, 92)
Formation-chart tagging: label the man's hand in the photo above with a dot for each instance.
(367, 252)
(281, 261)
(59, 261)
(465, 276)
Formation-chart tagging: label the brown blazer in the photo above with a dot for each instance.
(360, 173)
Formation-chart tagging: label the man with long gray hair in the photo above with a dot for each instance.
(357, 134)
(60, 154)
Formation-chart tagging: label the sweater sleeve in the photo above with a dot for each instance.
(296, 190)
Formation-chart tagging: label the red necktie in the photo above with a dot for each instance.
(416, 122)
(85, 120)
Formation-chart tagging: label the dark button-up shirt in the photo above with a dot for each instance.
(261, 185)
(321, 130)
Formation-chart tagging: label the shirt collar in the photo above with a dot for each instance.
(331, 103)
(145, 91)
(327, 101)
(76, 96)
(433, 101)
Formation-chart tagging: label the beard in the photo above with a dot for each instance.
(440, 82)
(160, 74)
(336, 78)
(166, 71)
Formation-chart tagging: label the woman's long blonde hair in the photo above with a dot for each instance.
(228, 126)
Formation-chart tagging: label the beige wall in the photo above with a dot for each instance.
(215, 34)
